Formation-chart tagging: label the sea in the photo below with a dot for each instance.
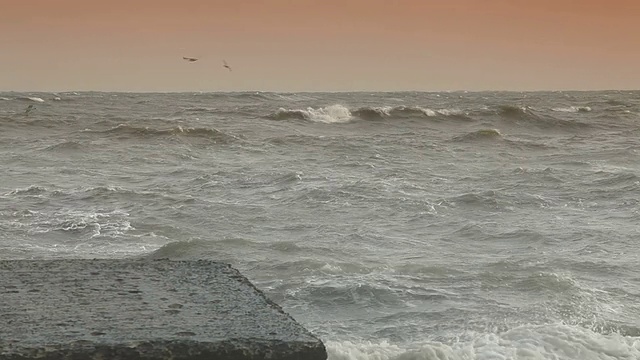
(393, 225)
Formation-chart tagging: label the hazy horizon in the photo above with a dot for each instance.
(311, 46)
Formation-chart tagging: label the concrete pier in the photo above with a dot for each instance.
(142, 309)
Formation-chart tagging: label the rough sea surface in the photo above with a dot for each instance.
(490, 225)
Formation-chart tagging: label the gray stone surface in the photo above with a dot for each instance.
(142, 309)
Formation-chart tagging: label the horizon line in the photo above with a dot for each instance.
(316, 91)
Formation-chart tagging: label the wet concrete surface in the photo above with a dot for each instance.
(142, 309)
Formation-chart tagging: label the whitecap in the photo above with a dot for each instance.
(540, 342)
(329, 114)
(572, 109)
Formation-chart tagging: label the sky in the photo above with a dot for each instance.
(319, 45)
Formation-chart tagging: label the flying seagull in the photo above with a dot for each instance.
(189, 59)
(226, 65)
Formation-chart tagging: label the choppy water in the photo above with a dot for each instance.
(393, 225)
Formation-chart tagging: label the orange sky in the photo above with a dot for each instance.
(316, 45)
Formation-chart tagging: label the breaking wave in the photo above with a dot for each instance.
(553, 341)
(340, 113)
(31, 98)
(329, 114)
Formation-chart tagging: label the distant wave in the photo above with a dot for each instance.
(282, 96)
(197, 110)
(31, 98)
(615, 102)
(294, 139)
(32, 190)
(483, 134)
(213, 135)
(404, 112)
(530, 116)
(96, 193)
(572, 109)
(340, 113)
(622, 178)
(515, 111)
(494, 135)
(64, 146)
(486, 199)
(64, 99)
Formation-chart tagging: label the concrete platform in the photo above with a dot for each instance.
(142, 309)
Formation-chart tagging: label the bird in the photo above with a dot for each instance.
(29, 109)
(189, 59)
(224, 63)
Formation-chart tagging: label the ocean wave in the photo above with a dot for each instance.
(340, 113)
(480, 135)
(406, 112)
(616, 102)
(572, 109)
(625, 178)
(110, 192)
(528, 144)
(543, 342)
(77, 223)
(98, 192)
(427, 270)
(529, 116)
(31, 98)
(64, 146)
(296, 139)
(329, 114)
(373, 113)
(198, 110)
(187, 249)
(551, 282)
(64, 99)
(485, 199)
(360, 294)
(273, 96)
(32, 190)
(213, 135)
(514, 111)
(256, 96)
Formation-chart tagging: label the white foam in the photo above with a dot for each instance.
(531, 342)
(385, 110)
(329, 114)
(36, 99)
(572, 109)
(99, 223)
(450, 112)
(444, 112)
(428, 112)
